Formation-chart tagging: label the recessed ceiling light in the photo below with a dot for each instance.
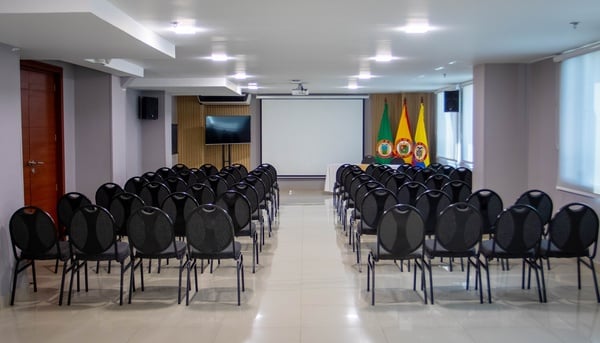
(352, 84)
(383, 58)
(252, 85)
(452, 62)
(240, 75)
(416, 28)
(184, 29)
(365, 75)
(439, 68)
(219, 57)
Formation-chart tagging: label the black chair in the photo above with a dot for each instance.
(151, 235)
(154, 193)
(152, 176)
(135, 184)
(238, 208)
(540, 201)
(371, 208)
(448, 170)
(166, 172)
(436, 181)
(573, 233)
(252, 195)
(243, 171)
(261, 190)
(93, 238)
(217, 183)
(65, 208)
(202, 193)
(209, 169)
(200, 175)
(275, 185)
(337, 185)
(489, 204)
(430, 204)
(34, 237)
(121, 207)
(458, 191)
(436, 166)
(210, 236)
(394, 181)
(178, 206)
(457, 234)
(462, 174)
(175, 184)
(409, 192)
(106, 192)
(188, 176)
(421, 175)
(180, 167)
(517, 234)
(400, 235)
(229, 177)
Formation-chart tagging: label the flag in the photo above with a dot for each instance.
(384, 148)
(421, 154)
(403, 145)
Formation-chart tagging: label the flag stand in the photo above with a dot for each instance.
(225, 162)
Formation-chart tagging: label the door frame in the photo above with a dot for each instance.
(57, 73)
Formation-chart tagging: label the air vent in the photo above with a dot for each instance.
(243, 99)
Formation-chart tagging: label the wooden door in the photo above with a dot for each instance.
(41, 113)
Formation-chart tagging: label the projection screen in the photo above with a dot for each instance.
(300, 137)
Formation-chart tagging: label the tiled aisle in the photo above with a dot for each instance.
(307, 289)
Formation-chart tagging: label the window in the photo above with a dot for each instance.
(579, 124)
(454, 130)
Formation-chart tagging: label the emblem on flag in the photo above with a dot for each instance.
(385, 148)
(404, 147)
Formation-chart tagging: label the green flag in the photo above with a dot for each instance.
(384, 149)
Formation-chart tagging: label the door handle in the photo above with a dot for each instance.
(33, 163)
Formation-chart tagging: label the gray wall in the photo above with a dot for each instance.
(11, 181)
(156, 135)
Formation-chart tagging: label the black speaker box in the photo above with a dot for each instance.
(148, 108)
(451, 101)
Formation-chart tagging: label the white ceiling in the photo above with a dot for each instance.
(322, 43)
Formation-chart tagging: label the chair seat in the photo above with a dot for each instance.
(488, 249)
(386, 255)
(51, 254)
(365, 229)
(554, 251)
(107, 255)
(176, 250)
(440, 251)
(248, 230)
(223, 254)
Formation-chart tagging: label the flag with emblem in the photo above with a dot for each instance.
(384, 148)
(403, 145)
(421, 154)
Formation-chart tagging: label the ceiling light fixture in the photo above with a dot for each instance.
(219, 57)
(352, 84)
(365, 75)
(439, 68)
(183, 29)
(416, 26)
(252, 85)
(240, 75)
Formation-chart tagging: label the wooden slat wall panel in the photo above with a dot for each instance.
(395, 108)
(191, 118)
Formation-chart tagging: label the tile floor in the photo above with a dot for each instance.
(308, 289)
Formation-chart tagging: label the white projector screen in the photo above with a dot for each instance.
(300, 137)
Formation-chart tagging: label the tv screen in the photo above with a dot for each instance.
(227, 130)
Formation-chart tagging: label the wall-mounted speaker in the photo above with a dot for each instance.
(148, 107)
(451, 101)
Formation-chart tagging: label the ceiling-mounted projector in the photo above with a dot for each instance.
(300, 90)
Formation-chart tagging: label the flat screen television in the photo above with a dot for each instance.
(227, 130)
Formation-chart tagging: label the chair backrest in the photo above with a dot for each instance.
(258, 184)
(178, 206)
(202, 193)
(436, 166)
(401, 230)
(237, 206)
(339, 171)
(462, 174)
(106, 192)
(152, 176)
(356, 182)
(179, 167)
(135, 184)
(67, 205)
(231, 174)
(217, 183)
(379, 169)
(209, 229)
(409, 192)
(250, 192)
(385, 174)
(374, 203)
(349, 177)
(518, 229)
(489, 204)
(33, 232)
(404, 167)
(165, 172)
(574, 228)
(188, 176)
(365, 188)
(370, 168)
(264, 176)
(175, 184)
(121, 207)
(436, 181)
(200, 174)
(457, 190)
(242, 170)
(229, 177)
(150, 230)
(395, 180)
(93, 230)
(447, 170)
(154, 193)
(430, 204)
(458, 227)
(423, 174)
(540, 201)
(209, 169)
(271, 170)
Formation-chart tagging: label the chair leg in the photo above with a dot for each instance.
(62, 283)
(487, 275)
(579, 273)
(242, 267)
(131, 273)
(34, 275)
(545, 299)
(181, 266)
(238, 282)
(14, 284)
(595, 278)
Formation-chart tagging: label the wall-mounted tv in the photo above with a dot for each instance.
(227, 130)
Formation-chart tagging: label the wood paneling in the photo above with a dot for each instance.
(191, 120)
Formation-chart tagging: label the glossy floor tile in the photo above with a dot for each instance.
(307, 288)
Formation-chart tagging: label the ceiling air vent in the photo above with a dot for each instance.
(243, 99)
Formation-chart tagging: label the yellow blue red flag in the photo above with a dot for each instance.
(421, 154)
(403, 145)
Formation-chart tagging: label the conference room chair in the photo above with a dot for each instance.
(346, 202)
(66, 206)
(238, 208)
(457, 190)
(209, 169)
(154, 193)
(151, 235)
(188, 176)
(337, 185)
(421, 175)
(152, 176)
(380, 169)
(252, 195)
(260, 188)
(542, 202)
(400, 236)
(210, 236)
(573, 233)
(106, 192)
(489, 204)
(517, 235)
(179, 167)
(371, 208)
(436, 181)
(175, 184)
(404, 167)
(272, 171)
(166, 172)
(430, 204)
(436, 166)
(447, 170)
(462, 174)
(202, 193)
(121, 207)
(268, 203)
(457, 234)
(394, 181)
(34, 237)
(355, 184)
(217, 183)
(409, 192)
(360, 194)
(178, 206)
(236, 176)
(200, 174)
(135, 184)
(93, 238)
(243, 171)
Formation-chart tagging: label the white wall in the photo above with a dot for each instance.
(133, 144)
(156, 135)
(118, 117)
(11, 180)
